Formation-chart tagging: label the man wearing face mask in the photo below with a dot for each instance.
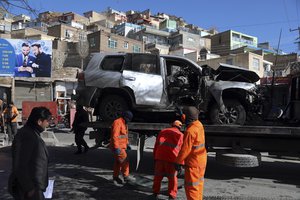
(29, 177)
(193, 153)
(118, 145)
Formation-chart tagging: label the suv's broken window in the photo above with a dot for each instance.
(145, 63)
(112, 63)
(182, 73)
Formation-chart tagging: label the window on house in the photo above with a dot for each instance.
(247, 40)
(255, 64)
(112, 43)
(68, 34)
(136, 49)
(112, 63)
(125, 45)
(69, 18)
(82, 36)
(235, 37)
(92, 42)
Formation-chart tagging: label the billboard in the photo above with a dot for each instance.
(25, 58)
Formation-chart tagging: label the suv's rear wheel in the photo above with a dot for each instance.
(235, 113)
(111, 107)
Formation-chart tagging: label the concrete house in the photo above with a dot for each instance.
(124, 29)
(102, 41)
(248, 60)
(156, 41)
(67, 32)
(183, 42)
(223, 43)
(19, 22)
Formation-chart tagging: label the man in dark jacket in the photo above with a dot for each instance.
(81, 116)
(42, 65)
(29, 177)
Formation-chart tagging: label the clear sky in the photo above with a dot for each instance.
(261, 18)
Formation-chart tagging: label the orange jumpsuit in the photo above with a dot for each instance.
(119, 139)
(166, 149)
(193, 153)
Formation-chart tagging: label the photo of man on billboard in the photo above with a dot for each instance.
(24, 62)
(42, 65)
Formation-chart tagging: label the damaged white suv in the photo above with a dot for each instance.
(153, 86)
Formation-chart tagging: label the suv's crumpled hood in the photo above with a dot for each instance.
(227, 72)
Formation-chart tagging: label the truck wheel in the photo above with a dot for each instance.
(111, 107)
(235, 114)
(233, 159)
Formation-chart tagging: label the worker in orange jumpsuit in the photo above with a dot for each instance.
(166, 149)
(118, 144)
(193, 153)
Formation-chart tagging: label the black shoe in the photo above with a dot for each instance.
(78, 152)
(153, 197)
(117, 181)
(86, 149)
(129, 179)
(171, 198)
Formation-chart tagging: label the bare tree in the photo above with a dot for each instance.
(9, 5)
(83, 50)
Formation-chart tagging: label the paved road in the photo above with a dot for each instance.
(89, 176)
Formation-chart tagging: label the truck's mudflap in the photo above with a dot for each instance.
(140, 150)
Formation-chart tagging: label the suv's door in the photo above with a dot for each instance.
(142, 74)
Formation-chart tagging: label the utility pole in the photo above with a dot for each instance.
(298, 38)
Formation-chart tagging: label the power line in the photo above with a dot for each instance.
(30, 8)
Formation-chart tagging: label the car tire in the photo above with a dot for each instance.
(241, 159)
(236, 114)
(111, 107)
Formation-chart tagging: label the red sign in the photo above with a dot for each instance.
(27, 106)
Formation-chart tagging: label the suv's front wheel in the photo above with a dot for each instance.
(111, 107)
(235, 113)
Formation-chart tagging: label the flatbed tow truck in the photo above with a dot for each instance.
(238, 145)
(235, 145)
